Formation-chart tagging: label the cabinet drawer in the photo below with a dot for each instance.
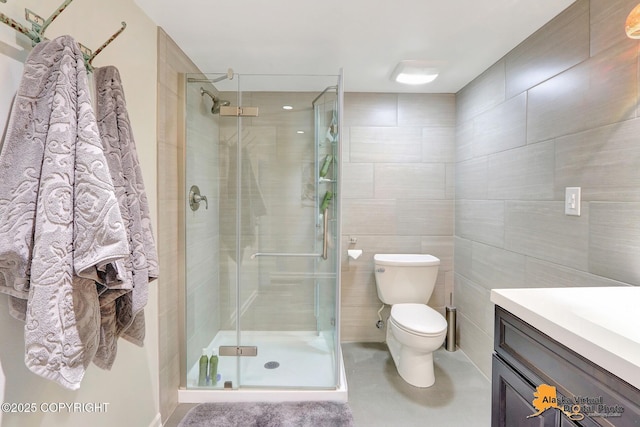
(542, 360)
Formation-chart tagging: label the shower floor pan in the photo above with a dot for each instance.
(290, 366)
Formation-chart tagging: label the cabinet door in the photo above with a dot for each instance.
(511, 400)
(566, 422)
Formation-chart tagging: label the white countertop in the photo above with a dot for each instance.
(601, 324)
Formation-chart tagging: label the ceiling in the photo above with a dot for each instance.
(364, 38)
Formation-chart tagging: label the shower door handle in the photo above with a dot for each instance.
(325, 245)
(325, 231)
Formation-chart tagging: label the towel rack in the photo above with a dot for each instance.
(322, 255)
(39, 25)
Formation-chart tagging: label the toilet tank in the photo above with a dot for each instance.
(405, 278)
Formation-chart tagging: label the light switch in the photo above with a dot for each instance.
(572, 201)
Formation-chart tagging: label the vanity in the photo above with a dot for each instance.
(566, 357)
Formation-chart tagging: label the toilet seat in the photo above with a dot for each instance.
(418, 319)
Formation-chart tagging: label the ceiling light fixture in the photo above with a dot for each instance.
(414, 72)
(632, 25)
(287, 107)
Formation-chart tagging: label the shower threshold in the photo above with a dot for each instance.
(274, 375)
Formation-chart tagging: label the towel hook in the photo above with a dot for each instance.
(39, 26)
(90, 58)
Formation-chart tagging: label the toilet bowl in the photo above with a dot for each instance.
(414, 330)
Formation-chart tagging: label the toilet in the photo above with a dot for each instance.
(414, 330)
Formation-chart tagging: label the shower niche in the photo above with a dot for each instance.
(261, 285)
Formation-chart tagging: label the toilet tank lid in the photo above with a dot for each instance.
(419, 260)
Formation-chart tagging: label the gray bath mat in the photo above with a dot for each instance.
(262, 414)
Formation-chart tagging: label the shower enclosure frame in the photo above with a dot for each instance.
(242, 392)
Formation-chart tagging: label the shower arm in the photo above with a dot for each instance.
(323, 255)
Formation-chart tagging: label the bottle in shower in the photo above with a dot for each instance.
(213, 368)
(204, 366)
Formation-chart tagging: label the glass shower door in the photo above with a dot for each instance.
(210, 236)
(288, 242)
(262, 250)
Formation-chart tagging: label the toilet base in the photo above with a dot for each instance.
(415, 367)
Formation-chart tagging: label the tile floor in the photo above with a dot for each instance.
(378, 396)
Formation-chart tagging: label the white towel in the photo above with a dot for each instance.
(61, 229)
(122, 312)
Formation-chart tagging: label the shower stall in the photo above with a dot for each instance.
(262, 237)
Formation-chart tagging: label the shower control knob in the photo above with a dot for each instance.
(380, 270)
(195, 198)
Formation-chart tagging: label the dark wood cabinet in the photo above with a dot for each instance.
(524, 359)
(513, 394)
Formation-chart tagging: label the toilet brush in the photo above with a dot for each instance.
(450, 311)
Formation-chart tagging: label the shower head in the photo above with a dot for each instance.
(217, 102)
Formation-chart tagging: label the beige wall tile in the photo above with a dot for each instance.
(500, 128)
(171, 223)
(614, 244)
(432, 110)
(409, 163)
(425, 217)
(441, 247)
(357, 180)
(438, 144)
(464, 140)
(385, 144)
(543, 274)
(599, 91)
(607, 24)
(410, 181)
(542, 230)
(493, 267)
(366, 216)
(581, 115)
(472, 179)
(559, 45)
(370, 109)
(463, 256)
(480, 220)
(603, 162)
(450, 181)
(484, 92)
(476, 344)
(525, 173)
(472, 300)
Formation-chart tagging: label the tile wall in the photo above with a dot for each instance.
(397, 195)
(171, 63)
(560, 110)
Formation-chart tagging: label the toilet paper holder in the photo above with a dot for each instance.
(354, 253)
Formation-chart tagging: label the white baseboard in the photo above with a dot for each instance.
(157, 421)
